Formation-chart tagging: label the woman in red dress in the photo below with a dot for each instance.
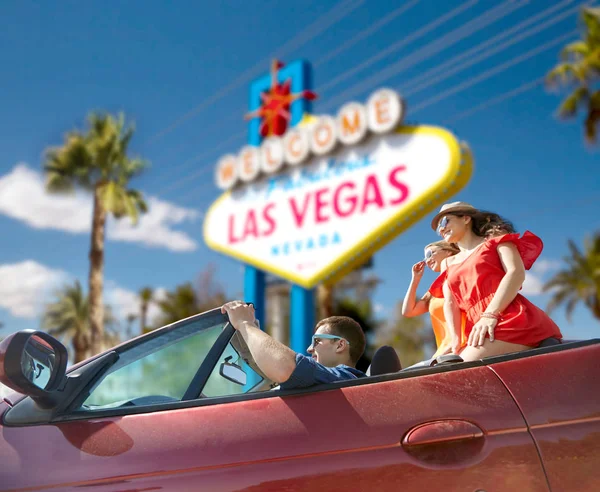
(484, 280)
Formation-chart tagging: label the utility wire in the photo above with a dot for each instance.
(452, 66)
(406, 40)
(349, 43)
(324, 22)
(366, 32)
(497, 100)
(426, 103)
(396, 46)
(491, 72)
(440, 44)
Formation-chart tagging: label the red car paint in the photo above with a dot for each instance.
(460, 430)
(559, 395)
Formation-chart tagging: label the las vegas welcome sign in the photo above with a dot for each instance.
(313, 204)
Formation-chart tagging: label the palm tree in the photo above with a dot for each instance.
(97, 161)
(362, 312)
(68, 318)
(412, 338)
(179, 304)
(130, 319)
(146, 294)
(185, 300)
(580, 280)
(581, 69)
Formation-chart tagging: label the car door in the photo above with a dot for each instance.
(455, 427)
(559, 394)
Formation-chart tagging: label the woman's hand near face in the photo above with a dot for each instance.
(418, 269)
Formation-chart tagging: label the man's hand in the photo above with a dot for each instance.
(273, 358)
(239, 313)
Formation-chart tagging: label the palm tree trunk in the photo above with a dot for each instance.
(325, 300)
(596, 307)
(81, 348)
(96, 273)
(143, 314)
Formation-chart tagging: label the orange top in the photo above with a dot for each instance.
(474, 281)
(443, 337)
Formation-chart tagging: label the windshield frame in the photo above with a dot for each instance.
(208, 319)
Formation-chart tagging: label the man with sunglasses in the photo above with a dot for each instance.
(336, 346)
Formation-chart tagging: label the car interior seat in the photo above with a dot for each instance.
(385, 361)
(549, 342)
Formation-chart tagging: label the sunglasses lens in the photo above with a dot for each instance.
(443, 223)
(428, 254)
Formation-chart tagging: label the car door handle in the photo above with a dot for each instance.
(444, 441)
(441, 431)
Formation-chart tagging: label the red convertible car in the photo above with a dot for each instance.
(185, 408)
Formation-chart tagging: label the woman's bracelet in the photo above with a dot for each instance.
(491, 316)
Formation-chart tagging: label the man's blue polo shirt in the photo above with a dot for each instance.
(309, 372)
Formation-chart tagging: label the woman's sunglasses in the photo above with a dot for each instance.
(442, 224)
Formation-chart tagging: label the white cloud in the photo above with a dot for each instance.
(534, 278)
(532, 285)
(23, 197)
(125, 302)
(379, 308)
(25, 287)
(545, 266)
(155, 228)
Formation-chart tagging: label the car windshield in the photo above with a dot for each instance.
(193, 358)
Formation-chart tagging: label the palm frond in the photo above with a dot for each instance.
(572, 103)
(580, 280)
(591, 20)
(577, 48)
(98, 158)
(562, 73)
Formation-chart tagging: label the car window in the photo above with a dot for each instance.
(157, 370)
(219, 385)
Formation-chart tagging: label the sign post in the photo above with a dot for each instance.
(302, 320)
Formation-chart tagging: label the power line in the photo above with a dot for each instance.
(448, 68)
(328, 19)
(177, 184)
(392, 48)
(455, 89)
(497, 100)
(362, 35)
(430, 49)
(366, 32)
(396, 46)
(452, 67)
(491, 72)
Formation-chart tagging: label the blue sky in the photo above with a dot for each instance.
(181, 71)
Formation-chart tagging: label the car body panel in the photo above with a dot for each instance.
(559, 395)
(339, 439)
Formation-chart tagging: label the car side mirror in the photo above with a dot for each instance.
(232, 372)
(33, 363)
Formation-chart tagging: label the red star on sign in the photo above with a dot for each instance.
(275, 108)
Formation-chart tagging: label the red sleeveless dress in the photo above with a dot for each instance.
(474, 282)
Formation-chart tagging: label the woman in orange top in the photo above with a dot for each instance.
(483, 281)
(435, 253)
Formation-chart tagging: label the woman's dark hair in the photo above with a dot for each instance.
(488, 224)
